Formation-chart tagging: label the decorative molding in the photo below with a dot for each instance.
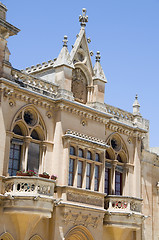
(82, 113)
(82, 198)
(126, 130)
(81, 218)
(84, 137)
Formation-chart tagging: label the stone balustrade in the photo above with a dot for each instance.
(123, 204)
(28, 186)
(119, 114)
(34, 83)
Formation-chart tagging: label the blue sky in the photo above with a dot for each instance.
(126, 32)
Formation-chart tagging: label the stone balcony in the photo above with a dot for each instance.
(123, 211)
(27, 195)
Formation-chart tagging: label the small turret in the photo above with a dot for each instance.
(99, 80)
(63, 71)
(136, 107)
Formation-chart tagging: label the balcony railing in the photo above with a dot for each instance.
(28, 186)
(123, 204)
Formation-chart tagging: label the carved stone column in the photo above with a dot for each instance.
(92, 176)
(42, 163)
(26, 148)
(75, 172)
(113, 177)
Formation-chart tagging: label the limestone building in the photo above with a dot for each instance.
(54, 120)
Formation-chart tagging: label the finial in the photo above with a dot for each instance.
(136, 106)
(65, 41)
(83, 19)
(98, 56)
(89, 40)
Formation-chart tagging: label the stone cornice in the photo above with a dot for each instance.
(86, 138)
(125, 129)
(12, 29)
(13, 91)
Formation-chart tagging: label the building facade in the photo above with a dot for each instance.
(54, 120)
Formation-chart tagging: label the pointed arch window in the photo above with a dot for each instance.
(114, 170)
(26, 146)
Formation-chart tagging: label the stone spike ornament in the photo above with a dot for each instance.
(98, 56)
(65, 41)
(136, 106)
(83, 19)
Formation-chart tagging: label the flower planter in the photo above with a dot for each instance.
(23, 174)
(53, 178)
(44, 176)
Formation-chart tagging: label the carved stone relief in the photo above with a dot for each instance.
(79, 86)
(74, 197)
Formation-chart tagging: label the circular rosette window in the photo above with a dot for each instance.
(30, 117)
(116, 143)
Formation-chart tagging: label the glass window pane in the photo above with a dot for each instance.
(14, 159)
(80, 165)
(87, 183)
(33, 157)
(71, 165)
(70, 181)
(79, 176)
(71, 172)
(80, 152)
(79, 181)
(88, 169)
(118, 183)
(97, 157)
(96, 178)
(89, 155)
(15, 164)
(96, 171)
(72, 150)
(107, 179)
(16, 154)
(88, 176)
(96, 185)
(11, 153)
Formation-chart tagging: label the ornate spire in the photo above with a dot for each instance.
(64, 56)
(136, 106)
(98, 71)
(65, 41)
(98, 56)
(83, 19)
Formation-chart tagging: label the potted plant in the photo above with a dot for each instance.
(53, 177)
(29, 173)
(44, 175)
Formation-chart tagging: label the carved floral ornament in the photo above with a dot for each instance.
(81, 218)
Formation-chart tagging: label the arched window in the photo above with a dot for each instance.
(26, 145)
(117, 151)
(89, 155)
(80, 153)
